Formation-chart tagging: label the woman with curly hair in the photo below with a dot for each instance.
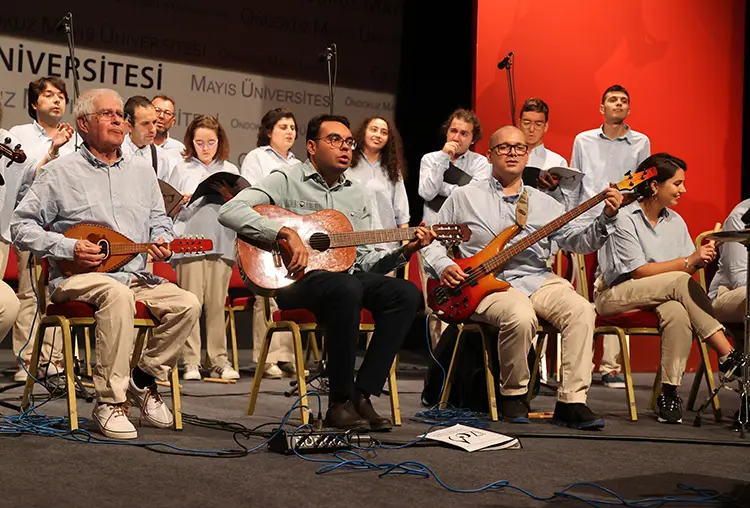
(378, 164)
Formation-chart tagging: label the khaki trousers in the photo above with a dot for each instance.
(729, 304)
(281, 348)
(176, 310)
(8, 309)
(27, 309)
(682, 307)
(208, 279)
(515, 315)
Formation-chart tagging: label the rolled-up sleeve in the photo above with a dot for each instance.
(431, 171)
(625, 250)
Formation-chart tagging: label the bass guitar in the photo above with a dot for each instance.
(330, 240)
(457, 304)
(119, 250)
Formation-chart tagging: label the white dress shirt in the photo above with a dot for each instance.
(173, 148)
(259, 163)
(164, 165)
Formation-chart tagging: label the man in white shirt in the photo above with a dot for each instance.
(165, 108)
(534, 123)
(140, 118)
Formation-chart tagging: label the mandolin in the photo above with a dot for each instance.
(331, 242)
(456, 305)
(119, 250)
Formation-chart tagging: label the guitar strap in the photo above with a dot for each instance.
(522, 209)
(154, 159)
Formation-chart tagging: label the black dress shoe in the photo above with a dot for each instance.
(363, 405)
(344, 416)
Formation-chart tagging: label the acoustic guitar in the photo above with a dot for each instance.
(456, 305)
(330, 240)
(119, 250)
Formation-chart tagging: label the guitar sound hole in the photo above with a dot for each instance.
(320, 242)
(104, 246)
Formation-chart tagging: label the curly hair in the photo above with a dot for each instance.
(391, 155)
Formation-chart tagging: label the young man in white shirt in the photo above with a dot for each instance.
(534, 123)
(141, 119)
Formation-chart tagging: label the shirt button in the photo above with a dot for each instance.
(302, 204)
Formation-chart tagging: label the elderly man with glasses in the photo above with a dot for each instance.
(337, 299)
(95, 184)
(491, 206)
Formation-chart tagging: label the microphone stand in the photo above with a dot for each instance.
(67, 23)
(511, 89)
(332, 54)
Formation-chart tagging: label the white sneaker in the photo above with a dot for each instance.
(51, 369)
(152, 406)
(192, 372)
(20, 376)
(225, 372)
(272, 371)
(113, 421)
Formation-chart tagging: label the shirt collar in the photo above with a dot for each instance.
(665, 213)
(499, 187)
(309, 171)
(627, 137)
(41, 131)
(289, 155)
(96, 162)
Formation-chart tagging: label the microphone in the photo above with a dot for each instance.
(64, 21)
(326, 53)
(505, 62)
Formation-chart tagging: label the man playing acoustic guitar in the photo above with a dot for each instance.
(336, 299)
(491, 207)
(97, 185)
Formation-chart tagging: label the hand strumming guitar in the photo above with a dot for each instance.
(160, 251)
(297, 249)
(87, 254)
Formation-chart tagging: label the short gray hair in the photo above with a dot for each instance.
(84, 105)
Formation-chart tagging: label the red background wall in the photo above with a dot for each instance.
(681, 60)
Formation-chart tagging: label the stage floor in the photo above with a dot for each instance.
(45, 471)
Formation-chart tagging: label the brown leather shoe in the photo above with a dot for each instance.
(377, 423)
(344, 416)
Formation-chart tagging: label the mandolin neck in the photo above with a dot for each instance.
(132, 248)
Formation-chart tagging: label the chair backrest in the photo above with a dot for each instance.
(706, 275)
(165, 270)
(235, 281)
(11, 270)
(587, 266)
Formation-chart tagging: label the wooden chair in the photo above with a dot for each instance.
(231, 307)
(73, 316)
(643, 323)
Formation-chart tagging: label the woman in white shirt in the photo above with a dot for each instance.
(206, 275)
(276, 135)
(379, 166)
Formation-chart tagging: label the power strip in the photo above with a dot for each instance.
(319, 441)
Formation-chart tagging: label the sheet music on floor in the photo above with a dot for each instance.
(472, 439)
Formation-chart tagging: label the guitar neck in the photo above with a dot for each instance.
(505, 255)
(131, 248)
(355, 238)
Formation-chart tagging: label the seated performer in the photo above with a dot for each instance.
(206, 275)
(489, 208)
(336, 299)
(647, 264)
(728, 291)
(123, 195)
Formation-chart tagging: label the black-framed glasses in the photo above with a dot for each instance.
(506, 148)
(165, 112)
(337, 141)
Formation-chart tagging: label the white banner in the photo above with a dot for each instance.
(238, 99)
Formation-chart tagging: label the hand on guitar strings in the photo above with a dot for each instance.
(453, 276)
(159, 251)
(298, 262)
(87, 254)
(613, 201)
(424, 237)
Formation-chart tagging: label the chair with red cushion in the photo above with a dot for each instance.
(231, 307)
(72, 316)
(636, 322)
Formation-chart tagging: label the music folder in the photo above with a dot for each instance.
(172, 198)
(208, 186)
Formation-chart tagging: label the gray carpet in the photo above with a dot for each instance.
(45, 471)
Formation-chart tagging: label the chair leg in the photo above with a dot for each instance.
(449, 377)
(87, 345)
(489, 376)
(233, 337)
(655, 390)
(33, 365)
(140, 339)
(393, 389)
(174, 386)
(259, 370)
(314, 344)
(627, 372)
(69, 376)
(696, 386)
(541, 340)
(299, 358)
(708, 372)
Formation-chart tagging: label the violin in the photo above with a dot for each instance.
(15, 154)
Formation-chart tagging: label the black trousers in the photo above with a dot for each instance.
(337, 300)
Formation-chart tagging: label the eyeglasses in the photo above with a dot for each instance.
(337, 141)
(109, 114)
(528, 124)
(210, 144)
(505, 149)
(165, 112)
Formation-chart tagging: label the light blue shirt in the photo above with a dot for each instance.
(431, 171)
(163, 163)
(636, 242)
(36, 143)
(301, 189)
(259, 163)
(488, 212)
(78, 188)
(388, 199)
(732, 271)
(603, 160)
(17, 178)
(201, 217)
